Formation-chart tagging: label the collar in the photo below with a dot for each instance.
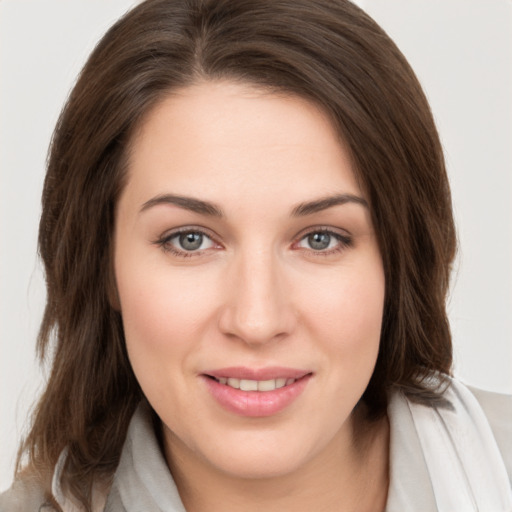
(143, 480)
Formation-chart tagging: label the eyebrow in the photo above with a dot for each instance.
(188, 203)
(319, 205)
(211, 209)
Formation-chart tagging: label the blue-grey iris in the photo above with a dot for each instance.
(191, 241)
(319, 241)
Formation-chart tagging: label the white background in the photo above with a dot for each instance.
(462, 53)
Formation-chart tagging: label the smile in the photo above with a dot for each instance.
(255, 385)
(256, 393)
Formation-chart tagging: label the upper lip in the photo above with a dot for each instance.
(268, 373)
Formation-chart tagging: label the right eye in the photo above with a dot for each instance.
(186, 243)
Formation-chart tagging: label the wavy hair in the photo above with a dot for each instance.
(328, 51)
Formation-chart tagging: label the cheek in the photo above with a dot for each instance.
(345, 312)
(163, 315)
(349, 301)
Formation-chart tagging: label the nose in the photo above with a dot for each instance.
(258, 307)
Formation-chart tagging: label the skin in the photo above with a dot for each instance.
(254, 294)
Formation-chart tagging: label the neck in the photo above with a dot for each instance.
(344, 476)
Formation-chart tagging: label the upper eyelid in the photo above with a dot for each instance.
(323, 229)
(167, 235)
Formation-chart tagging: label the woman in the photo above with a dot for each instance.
(247, 236)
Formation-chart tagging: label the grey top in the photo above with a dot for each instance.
(143, 481)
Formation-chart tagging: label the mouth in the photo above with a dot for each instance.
(254, 385)
(256, 393)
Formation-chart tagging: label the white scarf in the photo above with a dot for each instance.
(465, 465)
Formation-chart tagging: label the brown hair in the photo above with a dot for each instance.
(328, 51)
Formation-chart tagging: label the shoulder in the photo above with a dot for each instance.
(25, 495)
(497, 408)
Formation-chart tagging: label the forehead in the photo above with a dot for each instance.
(223, 135)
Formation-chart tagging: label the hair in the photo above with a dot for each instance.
(327, 51)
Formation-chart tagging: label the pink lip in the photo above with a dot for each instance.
(256, 403)
(271, 372)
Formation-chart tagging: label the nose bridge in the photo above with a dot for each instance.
(258, 309)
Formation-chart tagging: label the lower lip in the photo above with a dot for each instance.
(255, 403)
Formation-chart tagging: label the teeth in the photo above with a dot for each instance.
(255, 385)
(248, 385)
(267, 385)
(234, 383)
(280, 383)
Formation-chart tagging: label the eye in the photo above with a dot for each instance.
(191, 241)
(186, 242)
(324, 241)
(318, 241)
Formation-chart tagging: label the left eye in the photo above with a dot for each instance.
(190, 241)
(320, 241)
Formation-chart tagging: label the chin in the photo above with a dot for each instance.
(261, 465)
(265, 454)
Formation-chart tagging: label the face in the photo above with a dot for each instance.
(250, 282)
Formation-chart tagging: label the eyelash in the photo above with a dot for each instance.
(165, 242)
(345, 241)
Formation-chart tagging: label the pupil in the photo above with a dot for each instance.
(319, 241)
(191, 241)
